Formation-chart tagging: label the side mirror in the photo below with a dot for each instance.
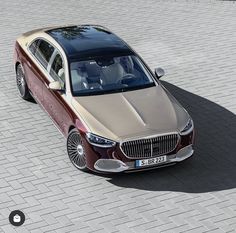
(159, 72)
(55, 86)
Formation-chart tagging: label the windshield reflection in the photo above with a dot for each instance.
(109, 75)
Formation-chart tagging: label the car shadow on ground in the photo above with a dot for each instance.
(213, 166)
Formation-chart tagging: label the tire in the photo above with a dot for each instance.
(75, 150)
(21, 83)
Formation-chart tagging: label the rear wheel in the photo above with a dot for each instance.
(75, 150)
(21, 83)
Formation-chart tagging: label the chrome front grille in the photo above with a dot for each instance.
(150, 147)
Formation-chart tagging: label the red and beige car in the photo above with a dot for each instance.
(114, 112)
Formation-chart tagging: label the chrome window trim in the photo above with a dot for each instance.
(28, 50)
(55, 52)
(50, 79)
(40, 39)
(51, 61)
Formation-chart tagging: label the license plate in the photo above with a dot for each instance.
(149, 162)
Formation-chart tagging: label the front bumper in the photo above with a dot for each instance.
(116, 165)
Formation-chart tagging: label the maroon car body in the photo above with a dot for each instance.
(36, 83)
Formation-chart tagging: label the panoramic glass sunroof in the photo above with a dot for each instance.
(87, 40)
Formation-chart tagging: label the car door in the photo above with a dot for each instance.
(55, 101)
(42, 52)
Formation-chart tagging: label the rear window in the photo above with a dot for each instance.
(44, 52)
(33, 46)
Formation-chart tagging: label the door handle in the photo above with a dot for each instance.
(28, 64)
(46, 85)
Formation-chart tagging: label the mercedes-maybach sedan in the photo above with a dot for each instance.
(113, 110)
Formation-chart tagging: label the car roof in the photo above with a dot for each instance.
(89, 41)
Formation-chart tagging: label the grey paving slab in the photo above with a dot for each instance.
(195, 42)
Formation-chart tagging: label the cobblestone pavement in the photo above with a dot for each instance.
(195, 42)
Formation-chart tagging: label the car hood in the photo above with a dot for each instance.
(133, 114)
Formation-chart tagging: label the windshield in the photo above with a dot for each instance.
(109, 75)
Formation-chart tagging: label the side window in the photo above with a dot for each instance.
(57, 70)
(33, 46)
(44, 52)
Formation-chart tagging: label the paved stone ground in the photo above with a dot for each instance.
(195, 42)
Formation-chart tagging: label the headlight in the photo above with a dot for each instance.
(188, 128)
(99, 141)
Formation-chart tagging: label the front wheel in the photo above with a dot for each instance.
(75, 150)
(21, 83)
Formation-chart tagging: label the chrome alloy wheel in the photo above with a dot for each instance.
(20, 81)
(75, 150)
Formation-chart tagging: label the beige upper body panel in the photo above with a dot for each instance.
(133, 114)
(119, 116)
(29, 36)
